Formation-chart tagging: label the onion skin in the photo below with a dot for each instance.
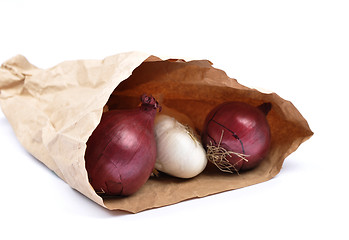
(121, 152)
(240, 128)
(179, 153)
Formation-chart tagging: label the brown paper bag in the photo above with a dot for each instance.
(54, 111)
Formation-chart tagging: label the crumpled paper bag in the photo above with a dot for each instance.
(54, 111)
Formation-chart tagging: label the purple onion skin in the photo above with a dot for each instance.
(121, 152)
(246, 131)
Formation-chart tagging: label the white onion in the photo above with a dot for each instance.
(179, 153)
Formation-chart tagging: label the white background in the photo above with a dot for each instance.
(298, 49)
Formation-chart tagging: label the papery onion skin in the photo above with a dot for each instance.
(240, 128)
(121, 152)
(179, 152)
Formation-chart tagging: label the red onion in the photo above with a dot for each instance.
(236, 135)
(121, 152)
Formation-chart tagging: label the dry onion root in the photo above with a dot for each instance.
(218, 156)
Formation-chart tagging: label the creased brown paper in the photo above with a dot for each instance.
(54, 111)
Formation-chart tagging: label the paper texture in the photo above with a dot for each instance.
(54, 111)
